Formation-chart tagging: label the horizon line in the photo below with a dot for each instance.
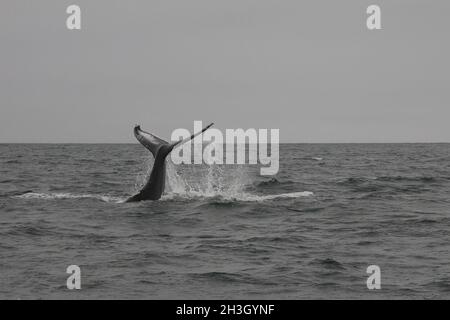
(392, 142)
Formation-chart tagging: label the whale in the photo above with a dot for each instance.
(160, 149)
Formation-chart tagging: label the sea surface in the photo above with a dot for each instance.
(223, 232)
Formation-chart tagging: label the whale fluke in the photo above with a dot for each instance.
(148, 140)
(160, 149)
(194, 135)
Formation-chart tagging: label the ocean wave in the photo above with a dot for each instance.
(270, 182)
(281, 195)
(14, 161)
(273, 182)
(28, 230)
(309, 158)
(329, 263)
(230, 277)
(398, 178)
(13, 193)
(355, 180)
(412, 179)
(310, 209)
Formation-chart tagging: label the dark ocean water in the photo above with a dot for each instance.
(224, 231)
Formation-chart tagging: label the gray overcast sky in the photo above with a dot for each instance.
(310, 68)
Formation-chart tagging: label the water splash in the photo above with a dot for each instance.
(219, 182)
(206, 180)
(143, 174)
(176, 184)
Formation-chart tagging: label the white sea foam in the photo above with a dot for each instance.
(243, 197)
(281, 195)
(190, 195)
(54, 196)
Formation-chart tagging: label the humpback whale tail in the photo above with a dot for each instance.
(155, 144)
(160, 149)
